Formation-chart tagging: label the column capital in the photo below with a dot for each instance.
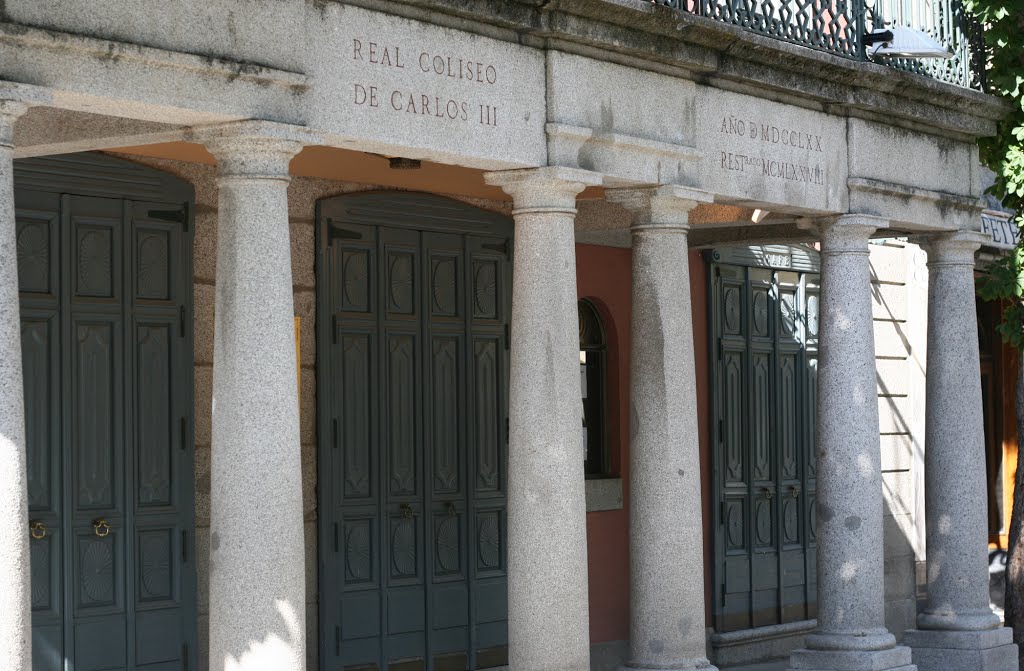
(844, 233)
(15, 99)
(255, 149)
(545, 189)
(953, 248)
(659, 208)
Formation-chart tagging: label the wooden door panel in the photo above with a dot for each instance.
(400, 413)
(38, 250)
(417, 474)
(109, 474)
(154, 415)
(162, 582)
(487, 416)
(41, 372)
(447, 354)
(487, 405)
(97, 453)
(37, 238)
(100, 645)
(357, 466)
(402, 426)
(763, 331)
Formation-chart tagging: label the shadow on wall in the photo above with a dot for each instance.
(281, 648)
(899, 364)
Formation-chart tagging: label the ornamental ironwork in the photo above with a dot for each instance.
(838, 27)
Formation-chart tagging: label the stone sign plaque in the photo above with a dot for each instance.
(1001, 228)
(403, 83)
(761, 151)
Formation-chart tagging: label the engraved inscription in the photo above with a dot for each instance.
(374, 55)
(756, 153)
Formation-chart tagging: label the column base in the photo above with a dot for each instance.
(891, 659)
(941, 650)
(688, 665)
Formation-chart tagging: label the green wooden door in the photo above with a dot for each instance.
(414, 296)
(105, 293)
(764, 323)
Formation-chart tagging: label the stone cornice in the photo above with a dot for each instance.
(653, 37)
(28, 36)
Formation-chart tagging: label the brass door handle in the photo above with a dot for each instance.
(37, 529)
(452, 512)
(101, 527)
(767, 493)
(794, 491)
(407, 511)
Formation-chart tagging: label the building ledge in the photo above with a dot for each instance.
(652, 37)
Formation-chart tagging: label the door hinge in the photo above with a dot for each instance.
(334, 434)
(184, 656)
(183, 433)
(337, 640)
(335, 536)
(334, 329)
(184, 547)
(181, 321)
(174, 216)
(508, 335)
(342, 234)
(501, 247)
(721, 429)
(508, 431)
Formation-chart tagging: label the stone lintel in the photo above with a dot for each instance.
(544, 189)
(254, 148)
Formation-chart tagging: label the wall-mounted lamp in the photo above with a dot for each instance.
(902, 42)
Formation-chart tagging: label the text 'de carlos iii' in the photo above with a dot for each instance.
(433, 72)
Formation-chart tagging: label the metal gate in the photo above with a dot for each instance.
(763, 311)
(104, 270)
(414, 298)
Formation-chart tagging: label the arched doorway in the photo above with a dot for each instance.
(413, 307)
(763, 312)
(104, 271)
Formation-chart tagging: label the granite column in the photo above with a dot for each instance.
(667, 628)
(547, 538)
(957, 629)
(851, 633)
(257, 556)
(15, 607)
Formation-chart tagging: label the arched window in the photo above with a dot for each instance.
(593, 383)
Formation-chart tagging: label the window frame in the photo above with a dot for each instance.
(599, 351)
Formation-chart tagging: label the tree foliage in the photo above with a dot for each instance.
(1003, 153)
(1004, 278)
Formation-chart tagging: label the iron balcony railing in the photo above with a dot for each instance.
(838, 26)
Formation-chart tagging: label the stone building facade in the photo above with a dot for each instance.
(288, 360)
